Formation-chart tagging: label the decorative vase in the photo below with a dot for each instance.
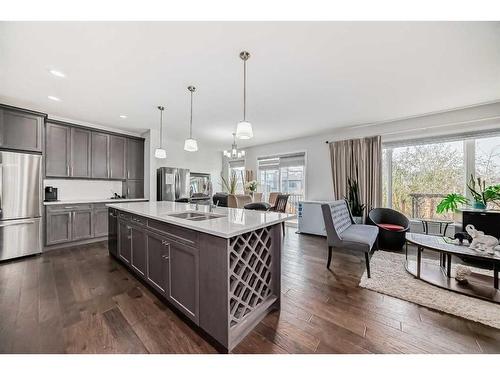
(479, 206)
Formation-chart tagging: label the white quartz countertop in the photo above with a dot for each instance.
(82, 201)
(234, 221)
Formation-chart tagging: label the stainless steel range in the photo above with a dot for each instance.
(20, 204)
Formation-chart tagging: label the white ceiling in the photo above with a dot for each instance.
(303, 78)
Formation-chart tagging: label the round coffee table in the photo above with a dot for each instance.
(478, 285)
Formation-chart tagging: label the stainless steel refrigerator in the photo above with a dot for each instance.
(173, 184)
(20, 204)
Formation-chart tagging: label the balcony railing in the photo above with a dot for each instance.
(423, 206)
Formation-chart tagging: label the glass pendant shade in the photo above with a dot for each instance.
(244, 130)
(190, 145)
(160, 153)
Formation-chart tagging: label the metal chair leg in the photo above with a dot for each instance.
(367, 260)
(329, 257)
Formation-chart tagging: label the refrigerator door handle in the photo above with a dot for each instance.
(17, 222)
(1, 188)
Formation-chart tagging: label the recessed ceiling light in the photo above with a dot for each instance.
(123, 116)
(54, 98)
(57, 73)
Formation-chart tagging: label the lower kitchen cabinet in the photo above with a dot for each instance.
(124, 247)
(112, 232)
(77, 222)
(183, 286)
(139, 253)
(157, 262)
(169, 266)
(58, 227)
(81, 225)
(101, 222)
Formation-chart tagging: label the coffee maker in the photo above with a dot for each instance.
(50, 194)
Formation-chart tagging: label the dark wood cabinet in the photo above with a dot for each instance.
(73, 151)
(112, 232)
(21, 130)
(57, 150)
(124, 246)
(117, 157)
(75, 222)
(101, 222)
(100, 155)
(58, 227)
(139, 252)
(133, 189)
(80, 153)
(183, 273)
(135, 159)
(81, 222)
(157, 262)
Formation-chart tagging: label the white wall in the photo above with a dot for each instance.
(206, 160)
(318, 173)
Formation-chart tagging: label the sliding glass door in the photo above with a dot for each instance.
(284, 174)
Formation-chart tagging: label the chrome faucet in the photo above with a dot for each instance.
(212, 206)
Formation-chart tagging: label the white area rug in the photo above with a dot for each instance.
(390, 277)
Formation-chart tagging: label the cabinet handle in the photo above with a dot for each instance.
(69, 207)
(67, 169)
(165, 257)
(165, 243)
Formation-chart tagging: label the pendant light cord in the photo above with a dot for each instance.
(161, 125)
(244, 90)
(191, 118)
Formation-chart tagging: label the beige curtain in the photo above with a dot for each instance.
(366, 154)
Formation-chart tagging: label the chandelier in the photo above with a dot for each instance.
(234, 153)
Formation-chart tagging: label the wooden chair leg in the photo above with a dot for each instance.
(367, 259)
(329, 257)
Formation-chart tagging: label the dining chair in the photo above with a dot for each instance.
(272, 198)
(280, 206)
(231, 201)
(242, 200)
(257, 197)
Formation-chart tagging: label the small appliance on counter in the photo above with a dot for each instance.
(50, 194)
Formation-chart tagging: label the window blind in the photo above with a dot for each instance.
(236, 163)
(442, 139)
(274, 162)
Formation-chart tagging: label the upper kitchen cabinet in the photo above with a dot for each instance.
(79, 152)
(57, 150)
(21, 130)
(81, 146)
(100, 155)
(135, 159)
(117, 160)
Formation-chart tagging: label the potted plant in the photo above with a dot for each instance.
(354, 201)
(481, 193)
(230, 184)
(451, 202)
(251, 186)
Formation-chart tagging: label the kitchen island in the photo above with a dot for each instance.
(219, 267)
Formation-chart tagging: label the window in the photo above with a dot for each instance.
(285, 174)
(416, 176)
(487, 159)
(237, 167)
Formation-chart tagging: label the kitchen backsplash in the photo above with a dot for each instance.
(84, 189)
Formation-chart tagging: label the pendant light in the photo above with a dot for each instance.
(190, 144)
(244, 128)
(234, 153)
(160, 153)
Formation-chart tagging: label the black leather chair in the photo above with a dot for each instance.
(220, 199)
(392, 226)
(258, 206)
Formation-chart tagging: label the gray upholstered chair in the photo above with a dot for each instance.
(343, 233)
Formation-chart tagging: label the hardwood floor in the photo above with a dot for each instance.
(79, 300)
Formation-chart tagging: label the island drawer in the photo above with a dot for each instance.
(132, 218)
(183, 235)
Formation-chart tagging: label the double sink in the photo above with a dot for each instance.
(196, 216)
